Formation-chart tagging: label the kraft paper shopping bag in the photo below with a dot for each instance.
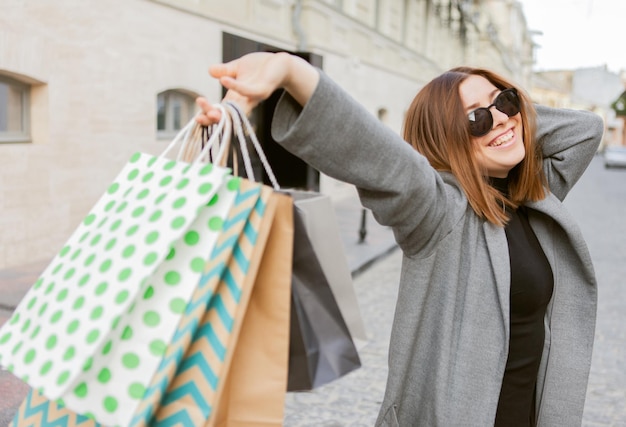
(256, 381)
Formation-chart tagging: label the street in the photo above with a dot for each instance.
(598, 202)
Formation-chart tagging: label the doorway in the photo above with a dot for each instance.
(290, 171)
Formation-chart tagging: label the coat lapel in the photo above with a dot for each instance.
(553, 207)
(498, 248)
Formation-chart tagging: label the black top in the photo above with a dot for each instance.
(531, 289)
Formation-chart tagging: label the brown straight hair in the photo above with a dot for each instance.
(437, 126)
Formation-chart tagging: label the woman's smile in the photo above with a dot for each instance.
(505, 140)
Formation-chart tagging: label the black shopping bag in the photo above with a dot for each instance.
(321, 348)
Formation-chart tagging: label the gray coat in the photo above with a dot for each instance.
(450, 334)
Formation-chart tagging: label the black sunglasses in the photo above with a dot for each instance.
(481, 119)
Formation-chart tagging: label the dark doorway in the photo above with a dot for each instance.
(290, 171)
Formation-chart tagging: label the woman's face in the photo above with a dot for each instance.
(502, 148)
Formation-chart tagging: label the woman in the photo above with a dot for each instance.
(495, 316)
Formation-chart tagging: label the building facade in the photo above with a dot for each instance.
(590, 88)
(83, 85)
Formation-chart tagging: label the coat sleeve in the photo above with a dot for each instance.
(569, 139)
(337, 136)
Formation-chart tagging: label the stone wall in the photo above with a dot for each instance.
(95, 69)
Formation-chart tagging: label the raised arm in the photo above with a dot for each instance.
(569, 139)
(338, 136)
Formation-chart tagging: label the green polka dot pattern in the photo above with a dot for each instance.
(127, 272)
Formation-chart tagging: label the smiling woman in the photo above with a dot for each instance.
(474, 201)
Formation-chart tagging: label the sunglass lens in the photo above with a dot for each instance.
(508, 102)
(481, 121)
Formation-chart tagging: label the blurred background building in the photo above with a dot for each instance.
(83, 85)
(595, 89)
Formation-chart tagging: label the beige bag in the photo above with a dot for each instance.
(256, 382)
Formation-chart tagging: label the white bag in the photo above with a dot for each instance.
(93, 329)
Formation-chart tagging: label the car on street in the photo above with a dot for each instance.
(614, 156)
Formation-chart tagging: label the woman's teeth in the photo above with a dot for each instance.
(504, 138)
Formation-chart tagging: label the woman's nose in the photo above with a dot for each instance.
(498, 117)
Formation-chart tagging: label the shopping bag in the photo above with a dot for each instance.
(93, 328)
(198, 381)
(256, 381)
(318, 215)
(37, 410)
(321, 348)
(247, 211)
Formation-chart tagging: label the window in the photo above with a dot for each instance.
(174, 110)
(14, 106)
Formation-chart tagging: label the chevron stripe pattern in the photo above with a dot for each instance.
(249, 202)
(36, 410)
(189, 399)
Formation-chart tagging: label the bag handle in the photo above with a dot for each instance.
(238, 117)
(243, 147)
(192, 129)
(209, 137)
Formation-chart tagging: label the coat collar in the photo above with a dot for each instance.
(498, 248)
(553, 207)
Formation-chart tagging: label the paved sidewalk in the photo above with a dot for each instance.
(15, 282)
(354, 400)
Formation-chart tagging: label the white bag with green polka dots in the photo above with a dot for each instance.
(94, 327)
